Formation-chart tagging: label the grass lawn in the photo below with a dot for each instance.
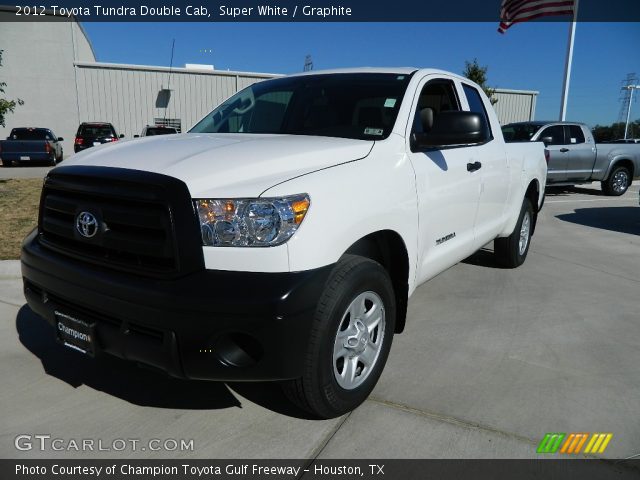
(19, 201)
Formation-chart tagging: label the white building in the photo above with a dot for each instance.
(515, 105)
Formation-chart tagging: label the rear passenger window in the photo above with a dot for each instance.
(476, 105)
(575, 134)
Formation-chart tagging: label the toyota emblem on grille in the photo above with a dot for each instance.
(86, 224)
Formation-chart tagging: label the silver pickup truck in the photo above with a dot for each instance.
(575, 158)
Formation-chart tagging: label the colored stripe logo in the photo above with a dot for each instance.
(551, 442)
(572, 443)
(598, 443)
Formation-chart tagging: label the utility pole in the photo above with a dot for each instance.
(173, 46)
(631, 88)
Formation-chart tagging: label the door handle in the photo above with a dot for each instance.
(472, 167)
(563, 150)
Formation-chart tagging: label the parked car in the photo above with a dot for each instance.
(151, 130)
(575, 158)
(31, 145)
(91, 134)
(281, 238)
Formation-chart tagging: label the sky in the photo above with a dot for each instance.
(530, 56)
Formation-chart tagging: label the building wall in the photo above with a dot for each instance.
(515, 105)
(127, 95)
(52, 67)
(130, 97)
(37, 66)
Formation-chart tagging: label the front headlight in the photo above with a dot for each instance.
(250, 222)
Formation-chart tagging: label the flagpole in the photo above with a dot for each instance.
(567, 66)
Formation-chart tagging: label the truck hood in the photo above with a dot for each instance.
(226, 165)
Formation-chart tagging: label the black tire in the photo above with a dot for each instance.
(618, 182)
(61, 157)
(509, 251)
(7, 163)
(318, 391)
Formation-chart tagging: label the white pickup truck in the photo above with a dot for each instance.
(281, 238)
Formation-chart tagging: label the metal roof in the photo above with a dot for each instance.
(152, 68)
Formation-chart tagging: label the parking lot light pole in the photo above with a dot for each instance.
(567, 66)
(632, 88)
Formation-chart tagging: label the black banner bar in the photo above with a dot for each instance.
(300, 11)
(376, 469)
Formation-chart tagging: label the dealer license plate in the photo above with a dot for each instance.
(75, 333)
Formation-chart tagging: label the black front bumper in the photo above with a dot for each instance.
(216, 325)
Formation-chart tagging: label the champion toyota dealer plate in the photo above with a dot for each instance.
(74, 333)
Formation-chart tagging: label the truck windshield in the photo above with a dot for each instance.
(520, 132)
(29, 134)
(349, 105)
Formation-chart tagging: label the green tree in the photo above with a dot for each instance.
(478, 74)
(615, 131)
(6, 106)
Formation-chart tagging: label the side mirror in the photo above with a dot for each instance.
(452, 128)
(547, 140)
(122, 135)
(136, 136)
(60, 139)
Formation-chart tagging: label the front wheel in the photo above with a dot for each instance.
(512, 250)
(618, 182)
(350, 339)
(7, 163)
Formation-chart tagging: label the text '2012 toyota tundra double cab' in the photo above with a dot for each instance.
(281, 238)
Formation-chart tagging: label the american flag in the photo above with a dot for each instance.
(515, 11)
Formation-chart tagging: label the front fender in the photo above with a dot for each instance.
(352, 200)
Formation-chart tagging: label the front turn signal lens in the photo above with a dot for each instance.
(300, 208)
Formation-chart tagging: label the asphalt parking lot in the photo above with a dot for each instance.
(490, 361)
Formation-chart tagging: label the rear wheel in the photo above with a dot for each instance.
(7, 163)
(618, 182)
(350, 339)
(512, 250)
